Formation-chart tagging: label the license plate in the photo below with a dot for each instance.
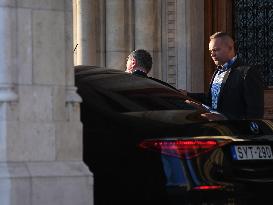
(251, 152)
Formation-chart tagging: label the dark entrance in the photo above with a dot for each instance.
(253, 32)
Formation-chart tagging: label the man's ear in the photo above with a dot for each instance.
(134, 62)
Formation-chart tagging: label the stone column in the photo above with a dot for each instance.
(147, 33)
(84, 32)
(170, 42)
(183, 44)
(190, 45)
(40, 130)
(8, 64)
(116, 34)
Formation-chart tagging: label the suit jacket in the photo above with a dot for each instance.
(143, 74)
(140, 73)
(242, 95)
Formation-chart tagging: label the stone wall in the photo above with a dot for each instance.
(40, 130)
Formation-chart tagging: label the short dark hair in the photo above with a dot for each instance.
(220, 34)
(143, 58)
(226, 38)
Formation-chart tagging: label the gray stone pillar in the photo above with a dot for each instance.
(40, 130)
(116, 34)
(84, 32)
(147, 33)
(183, 44)
(144, 24)
(190, 45)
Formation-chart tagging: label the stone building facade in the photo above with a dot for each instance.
(40, 129)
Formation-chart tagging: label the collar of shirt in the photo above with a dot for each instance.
(139, 69)
(139, 72)
(227, 65)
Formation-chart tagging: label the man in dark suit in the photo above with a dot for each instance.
(139, 62)
(236, 89)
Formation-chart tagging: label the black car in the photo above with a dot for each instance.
(148, 143)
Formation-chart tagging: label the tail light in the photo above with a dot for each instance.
(184, 149)
(208, 187)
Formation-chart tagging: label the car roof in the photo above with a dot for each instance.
(115, 79)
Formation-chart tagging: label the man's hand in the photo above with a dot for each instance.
(209, 115)
(197, 105)
(213, 116)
